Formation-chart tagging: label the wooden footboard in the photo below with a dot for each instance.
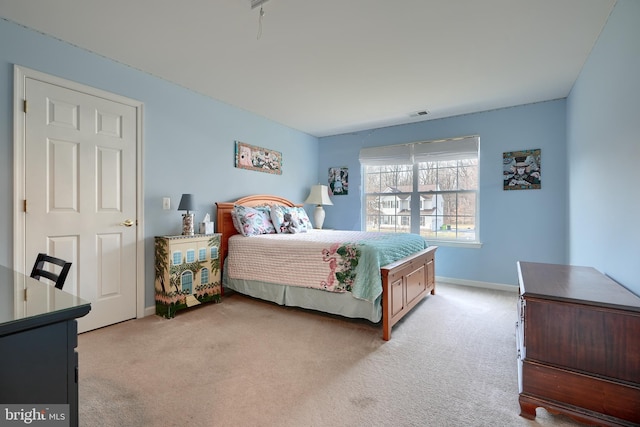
(404, 284)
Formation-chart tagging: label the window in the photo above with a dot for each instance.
(177, 258)
(204, 276)
(428, 188)
(191, 255)
(202, 254)
(187, 282)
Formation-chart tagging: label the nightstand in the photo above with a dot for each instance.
(187, 272)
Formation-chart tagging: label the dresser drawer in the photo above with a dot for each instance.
(590, 393)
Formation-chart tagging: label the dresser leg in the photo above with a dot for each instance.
(527, 409)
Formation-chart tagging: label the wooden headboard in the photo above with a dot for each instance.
(224, 223)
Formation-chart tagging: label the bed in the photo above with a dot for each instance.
(392, 290)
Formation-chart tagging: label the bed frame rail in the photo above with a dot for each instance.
(404, 284)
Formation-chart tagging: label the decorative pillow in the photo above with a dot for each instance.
(289, 219)
(252, 221)
(266, 210)
(236, 221)
(302, 216)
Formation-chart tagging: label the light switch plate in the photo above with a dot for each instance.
(166, 203)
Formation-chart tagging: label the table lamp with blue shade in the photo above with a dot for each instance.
(187, 203)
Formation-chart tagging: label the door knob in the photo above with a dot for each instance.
(127, 223)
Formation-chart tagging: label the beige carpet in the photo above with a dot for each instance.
(452, 362)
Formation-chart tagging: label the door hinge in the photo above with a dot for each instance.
(25, 294)
(24, 205)
(25, 106)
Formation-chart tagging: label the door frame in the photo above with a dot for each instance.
(20, 74)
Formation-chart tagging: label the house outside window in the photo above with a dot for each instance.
(428, 188)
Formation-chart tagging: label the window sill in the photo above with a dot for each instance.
(455, 243)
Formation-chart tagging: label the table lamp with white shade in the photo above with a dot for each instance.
(319, 195)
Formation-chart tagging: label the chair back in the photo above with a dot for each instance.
(40, 269)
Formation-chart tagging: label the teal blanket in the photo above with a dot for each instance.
(359, 271)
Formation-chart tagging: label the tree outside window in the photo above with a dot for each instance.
(431, 190)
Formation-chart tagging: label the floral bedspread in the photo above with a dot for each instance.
(336, 261)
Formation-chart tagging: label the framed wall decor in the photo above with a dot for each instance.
(339, 181)
(521, 170)
(258, 158)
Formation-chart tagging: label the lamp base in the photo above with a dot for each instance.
(187, 224)
(318, 217)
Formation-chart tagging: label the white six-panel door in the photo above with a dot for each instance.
(80, 187)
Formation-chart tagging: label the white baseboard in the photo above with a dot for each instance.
(148, 311)
(477, 284)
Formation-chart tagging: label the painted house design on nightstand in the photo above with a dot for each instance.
(187, 272)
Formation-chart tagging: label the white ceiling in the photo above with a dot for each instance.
(335, 66)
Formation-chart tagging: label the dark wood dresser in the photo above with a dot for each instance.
(578, 342)
(38, 358)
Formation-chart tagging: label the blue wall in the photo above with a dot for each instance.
(604, 152)
(590, 152)
(514, 225)
(188, 138)
(585, 213)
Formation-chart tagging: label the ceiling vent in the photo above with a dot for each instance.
(420, 113)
